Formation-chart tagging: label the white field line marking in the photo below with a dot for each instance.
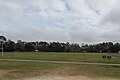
(60, 62)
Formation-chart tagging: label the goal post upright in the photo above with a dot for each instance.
(2, 41)
(2, 49)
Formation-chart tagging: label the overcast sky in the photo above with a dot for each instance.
(87, 21)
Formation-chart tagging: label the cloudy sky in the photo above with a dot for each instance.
(88, 21)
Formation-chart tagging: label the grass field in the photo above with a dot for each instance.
(16, 70)
(86, 57)
(12, 70)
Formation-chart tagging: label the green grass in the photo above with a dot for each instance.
(59, 56)
(30, 69)
(9, 65)
(101, 71)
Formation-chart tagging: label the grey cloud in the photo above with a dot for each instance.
(112, 35)
(45, 20)
(82, 34)
(111, 23)
(34, 34)
(113, 17)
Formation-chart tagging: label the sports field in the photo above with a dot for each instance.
(59, 56)
(12, 70)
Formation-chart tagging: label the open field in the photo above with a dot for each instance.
(12, 70)
(48, 71)
(57, 56)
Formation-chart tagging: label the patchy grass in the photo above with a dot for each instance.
(16, 70)
(11, 70)
(59, 56)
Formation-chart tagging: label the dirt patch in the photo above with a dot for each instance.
(59, 77)
(67, 72)
(3, 73)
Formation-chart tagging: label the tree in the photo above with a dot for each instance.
(2, 40)
(67, 47)
(10, 46)
(75, 48)
(19, 46)
(43, 46)
(29, 47)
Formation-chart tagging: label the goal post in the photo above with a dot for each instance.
(2, 41)
(1, 48)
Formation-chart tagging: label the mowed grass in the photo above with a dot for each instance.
(17, 70)
(13, 70)
(59, 56)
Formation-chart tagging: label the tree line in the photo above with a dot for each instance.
(22, 46)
